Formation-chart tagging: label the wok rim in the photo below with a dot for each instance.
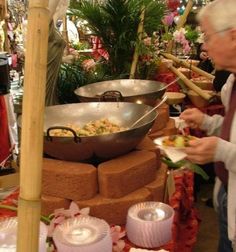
(125, 96)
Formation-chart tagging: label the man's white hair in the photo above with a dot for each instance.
(220, 13)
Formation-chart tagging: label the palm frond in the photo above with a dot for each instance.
(115, 22)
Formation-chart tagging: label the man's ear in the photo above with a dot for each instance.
(233, 34)
(233, 37)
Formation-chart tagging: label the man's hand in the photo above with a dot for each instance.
(203, 56)
(202, 151)
(192, 117)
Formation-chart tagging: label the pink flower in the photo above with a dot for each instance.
(88, 64)
(168, 19)
(62, 214)
(186, 47)
(116, 235)
(147, 41)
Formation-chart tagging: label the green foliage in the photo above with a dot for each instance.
(191, 34)
(186, 164)
(72, 76)
(81, 46)
(115, 22)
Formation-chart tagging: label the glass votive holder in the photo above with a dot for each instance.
(83, 234)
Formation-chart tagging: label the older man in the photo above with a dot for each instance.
(218, 22)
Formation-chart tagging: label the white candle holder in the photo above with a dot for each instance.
(149, 224)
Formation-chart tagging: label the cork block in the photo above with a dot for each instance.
(114, 211)
(125, 174)
(157, 187)
(69, 180)
(156, 134)
(50, 203)
(170, 128)
(164, 107)
(148, 144)
(160, 121)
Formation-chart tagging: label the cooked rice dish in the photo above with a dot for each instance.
(93, 128)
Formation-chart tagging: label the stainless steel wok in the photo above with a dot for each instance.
(128, 90)
(101, 147)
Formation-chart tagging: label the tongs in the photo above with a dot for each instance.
(150, 111)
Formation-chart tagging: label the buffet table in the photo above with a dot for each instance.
(186, 220)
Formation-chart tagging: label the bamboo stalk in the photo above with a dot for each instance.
(32, 126)
(65, 34)
(190, 84)
(28, 216)
(136, 54)
(7, 43)
(183, 17)
(186, 64)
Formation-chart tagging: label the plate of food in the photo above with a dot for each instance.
(174, 141)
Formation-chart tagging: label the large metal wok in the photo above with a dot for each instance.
(101, 147)
(128, 90)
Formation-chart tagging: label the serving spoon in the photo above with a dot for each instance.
(150, 111)
(171, 83)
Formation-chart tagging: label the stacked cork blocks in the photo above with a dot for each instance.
(163, 125)
(113, 186)
(109, 189)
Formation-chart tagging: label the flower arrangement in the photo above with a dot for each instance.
(179, 36)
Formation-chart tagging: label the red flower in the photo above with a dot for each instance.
(173, 4)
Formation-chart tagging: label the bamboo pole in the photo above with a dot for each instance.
(65, 34)
(190, 84)
(186, 64)
(7, 42)
(2, 9)
(32, 127)
(183, 17)
(136, 54)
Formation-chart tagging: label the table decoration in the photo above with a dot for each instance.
(83, 234)
(8, 235)
(149, 224)
(185, 226)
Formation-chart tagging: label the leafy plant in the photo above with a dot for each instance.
(116, 22)
(72, 76)
(191, 34)
(187, 164)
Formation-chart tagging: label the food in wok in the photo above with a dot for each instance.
(92, 128)
(95, 147)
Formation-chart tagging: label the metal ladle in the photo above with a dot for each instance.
(150, 111)
(171, 83)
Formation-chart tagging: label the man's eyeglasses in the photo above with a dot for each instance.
(206, 38)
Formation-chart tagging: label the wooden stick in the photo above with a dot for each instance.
(190, 84)
(136, 54)
(32, 126)
(186, 64)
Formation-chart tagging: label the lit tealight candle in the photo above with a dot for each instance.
(81, 235)
(151, 214)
